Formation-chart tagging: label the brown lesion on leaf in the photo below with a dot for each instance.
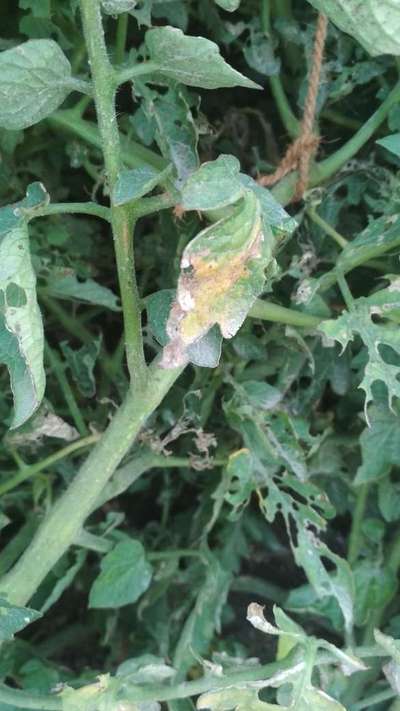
(204, 284)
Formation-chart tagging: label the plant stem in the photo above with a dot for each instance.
(133, 153)
(15, 698)
(374, 699)
(79, 208)
(129, 73)
(288, 118)
(326, 227)
(267, 311)
(32, 469)
(65, 520)
(122, 32)
(58, 370)
(122, 221)
(358, 518)
(284, 190)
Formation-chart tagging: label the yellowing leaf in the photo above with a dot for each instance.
(222, 273)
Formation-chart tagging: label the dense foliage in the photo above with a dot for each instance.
(200, 493)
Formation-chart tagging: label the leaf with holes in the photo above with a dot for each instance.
(375, 337)
(35, 78)
(223, 266)
(194, 61)
(21, 330)
(375, 25)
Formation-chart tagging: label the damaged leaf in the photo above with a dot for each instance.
(375, 336)
(222, 273)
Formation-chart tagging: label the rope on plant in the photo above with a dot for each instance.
(302, 150)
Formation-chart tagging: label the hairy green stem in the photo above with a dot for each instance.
(267, 311)
(374, 699)
(31, 470)
(66, 518)
(78, 208)
(138, 70)
(58, 370)
(103, 76)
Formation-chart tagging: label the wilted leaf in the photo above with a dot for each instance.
(273, 214)
(13, 619)
(81, 363)
(194, 61)
(376, 25)
(125, 575)
(66, 285)
(174, 129)
(222, 275)
(35, 78)
(259, 52)
(204, 618)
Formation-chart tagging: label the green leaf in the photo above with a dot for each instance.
(228, 5)
(274, 215)
(380, 444)
(65, 285)
(21, 329)
(375, 588)
(374, 335)
(115, 7)
(133, 184)
(194, 61)
(15, 215)
(375, 25)
(124, 577)
(13, 619)
(391, 143)
(222, 273)
(81, 363)
(35, 78)
(174, 128)
(214, 185)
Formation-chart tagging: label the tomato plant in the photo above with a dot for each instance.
(199, 281)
